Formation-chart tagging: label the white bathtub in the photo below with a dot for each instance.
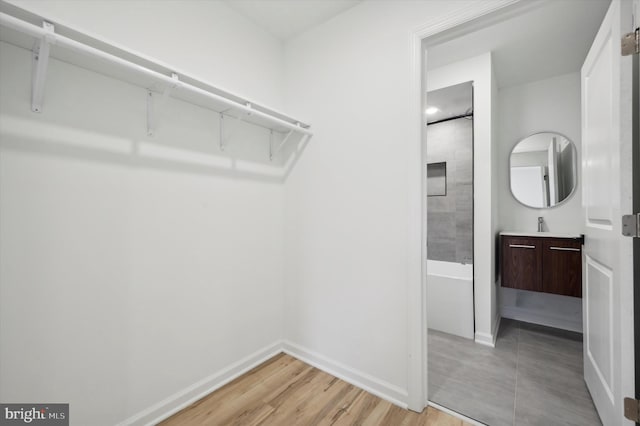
(450, 298)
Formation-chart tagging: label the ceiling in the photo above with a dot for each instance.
(288, 18)
(452, 101)
(529, 41)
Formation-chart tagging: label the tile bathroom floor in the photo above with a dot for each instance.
(534, 376)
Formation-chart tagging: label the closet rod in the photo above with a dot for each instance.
(60, 40)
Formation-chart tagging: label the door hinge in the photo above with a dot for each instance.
(631, 43)
(631, 225)
(632, 409)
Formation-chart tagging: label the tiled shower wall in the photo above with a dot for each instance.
(450, 216)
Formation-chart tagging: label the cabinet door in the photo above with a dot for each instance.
(521, 263)
(562, 272)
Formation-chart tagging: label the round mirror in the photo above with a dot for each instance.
(543, 170)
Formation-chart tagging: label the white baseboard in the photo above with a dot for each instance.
(380, 388)
(542, 319)
(456, 414)
(191, 394)
(485, 339)
(496, 328)
(489, 339)
(182, 399)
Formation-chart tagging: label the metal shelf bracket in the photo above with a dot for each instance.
(40, 62)
(234, 126)
(153, 111)
(221, 136)
(273, 151)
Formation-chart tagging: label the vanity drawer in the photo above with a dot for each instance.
(522, 263)
(562, 267)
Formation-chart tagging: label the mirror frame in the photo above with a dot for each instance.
(576, 174)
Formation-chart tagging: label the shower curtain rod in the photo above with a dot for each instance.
(450, 118)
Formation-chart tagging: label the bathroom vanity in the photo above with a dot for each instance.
(542, 261)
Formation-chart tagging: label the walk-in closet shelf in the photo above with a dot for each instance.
(51, 40)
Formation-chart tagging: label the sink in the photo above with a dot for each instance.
(542, 234)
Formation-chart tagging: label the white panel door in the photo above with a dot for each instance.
(604, 291)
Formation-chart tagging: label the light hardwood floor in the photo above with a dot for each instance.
(285, 391)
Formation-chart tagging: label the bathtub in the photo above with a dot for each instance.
(450, 298)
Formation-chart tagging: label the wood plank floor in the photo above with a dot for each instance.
(285, 391)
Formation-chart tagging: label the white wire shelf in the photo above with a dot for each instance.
(51, 40)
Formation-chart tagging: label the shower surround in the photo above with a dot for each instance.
(450, 216)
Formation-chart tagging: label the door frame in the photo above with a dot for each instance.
(417, 388)
(636, 208)
(417, 205)
(417, 382)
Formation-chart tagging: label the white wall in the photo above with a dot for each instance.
(135, 269)
(479, 70)
(346, 202)
(204, 39)
(546, 105)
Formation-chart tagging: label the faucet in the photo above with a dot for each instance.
(540, 222)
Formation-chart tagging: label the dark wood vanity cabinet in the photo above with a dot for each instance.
(521, 263)
(546, 264)
(562, 266)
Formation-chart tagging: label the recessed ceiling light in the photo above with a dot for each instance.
(432, 110)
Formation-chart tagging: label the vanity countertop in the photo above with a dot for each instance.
(541, 234)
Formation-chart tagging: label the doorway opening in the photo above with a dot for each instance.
(516, 94)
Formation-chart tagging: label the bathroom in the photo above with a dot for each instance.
(520, 180)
